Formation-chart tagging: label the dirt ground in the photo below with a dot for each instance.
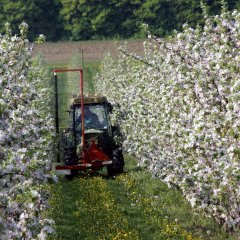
(93, 51)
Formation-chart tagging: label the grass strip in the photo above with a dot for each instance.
(85, 209)
(132, 206)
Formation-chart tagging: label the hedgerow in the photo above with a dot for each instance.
(178, 107)
(26, 137)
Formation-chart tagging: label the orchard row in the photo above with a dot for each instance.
(178, 107)
(26, 139)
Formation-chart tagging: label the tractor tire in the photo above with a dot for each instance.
(72, 175)
(69, 177)
(68, 150)
(118, 160)
(110, 171)
(117, 166)
(70, 156)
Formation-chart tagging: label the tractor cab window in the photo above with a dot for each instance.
(94, 117)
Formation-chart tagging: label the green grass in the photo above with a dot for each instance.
(131, 206)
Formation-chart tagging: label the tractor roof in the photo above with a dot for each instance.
(89, 99)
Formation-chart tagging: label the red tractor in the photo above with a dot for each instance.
(88, 144)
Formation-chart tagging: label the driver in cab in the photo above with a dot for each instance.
(91, 119)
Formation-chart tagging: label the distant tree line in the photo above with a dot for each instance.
(99, 19)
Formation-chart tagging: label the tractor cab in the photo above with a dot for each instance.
(96, 115)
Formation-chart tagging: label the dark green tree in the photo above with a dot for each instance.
(158, 14)
(46, 20)
(165, 16)
(95, 19)
(98, 19)
(41, 15)
(14, 12)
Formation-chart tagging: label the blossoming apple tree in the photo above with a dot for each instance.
(179, 110)
(26, 134)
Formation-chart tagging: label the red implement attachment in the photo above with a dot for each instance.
(94, 159)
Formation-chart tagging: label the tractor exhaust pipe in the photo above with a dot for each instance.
(56, 114)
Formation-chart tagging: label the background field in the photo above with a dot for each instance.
(93, 51)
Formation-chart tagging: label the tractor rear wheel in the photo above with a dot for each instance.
(117, 166)
(110, 170)
(72, 175)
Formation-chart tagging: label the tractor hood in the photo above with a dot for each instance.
(92, 131)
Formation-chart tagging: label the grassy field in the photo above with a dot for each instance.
(130, 206)
(93, 51)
